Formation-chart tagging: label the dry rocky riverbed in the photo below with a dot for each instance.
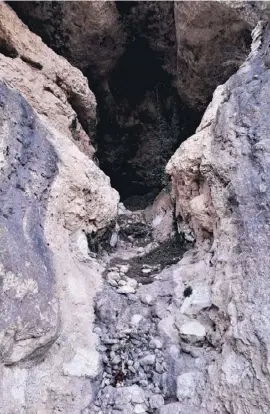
(144, 356)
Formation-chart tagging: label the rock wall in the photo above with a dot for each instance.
(220, 178)
(52, 195)
(88, 34)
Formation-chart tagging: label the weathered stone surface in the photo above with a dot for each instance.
(213, 39)
(193, 332)
(178, 408)
(231, 161)
(186, 386)
(30, 318)
(161, 216)
(156, 401)
(57, 91)
(52, 194)
(88, 34)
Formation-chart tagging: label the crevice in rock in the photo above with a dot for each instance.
(7, 49)
(141, 118)
(142, 121)
(32, 63)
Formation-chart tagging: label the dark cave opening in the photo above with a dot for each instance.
(142, 121)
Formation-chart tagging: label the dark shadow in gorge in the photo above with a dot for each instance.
(133, 62)
(142, 121)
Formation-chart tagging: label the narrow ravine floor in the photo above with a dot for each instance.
(140, 359)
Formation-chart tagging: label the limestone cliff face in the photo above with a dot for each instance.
(220, 180)
(108, 310)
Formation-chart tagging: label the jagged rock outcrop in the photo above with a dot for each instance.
(56, 90)
(223, 169)
(52, 195)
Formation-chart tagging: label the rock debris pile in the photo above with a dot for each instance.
(139, 371)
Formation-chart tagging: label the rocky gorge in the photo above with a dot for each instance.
(135, 228)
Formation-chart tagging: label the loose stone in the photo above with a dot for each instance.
(146, 299)
(155, 343)
(126, 289)
(146, 271)
(124, 268)
(156, 401)
(148, 360)
(193, 332)
(139, 409)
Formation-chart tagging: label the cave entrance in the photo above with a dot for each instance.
(142, 121)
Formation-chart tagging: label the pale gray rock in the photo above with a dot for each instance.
(137, 394)
(179, 408)
(155, 343)
(186, 386)
(126, 289)
(193, 332)
(156, 401)
(148, 360)
(139, 409)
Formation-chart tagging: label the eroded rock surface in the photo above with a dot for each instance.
(56, 90)
(52, 195)
(229, 169)
(88, 34)
(30, 317)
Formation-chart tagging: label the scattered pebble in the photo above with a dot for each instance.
(139, 409)
(124, 268)
(146, 271)
(155, 343)
(136, 319)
